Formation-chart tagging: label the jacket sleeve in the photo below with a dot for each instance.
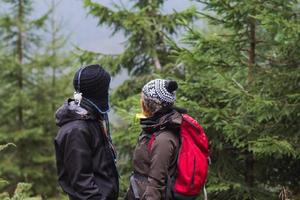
(78, 163)
(163, 150)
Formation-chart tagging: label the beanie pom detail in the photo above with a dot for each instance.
(172, 86)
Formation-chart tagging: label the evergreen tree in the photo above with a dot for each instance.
(242, 83)
(146, 29)
(33, 78)
(22, 191)
(19, 42)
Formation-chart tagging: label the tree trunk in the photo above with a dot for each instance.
(19, 58)
(251, 61)
(249, 164)
(53, 46)
(157, 63)
(249, 157)
(53, 87)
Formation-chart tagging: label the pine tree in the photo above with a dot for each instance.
(52, 86)
(147, 31)
(23, 189)
(19, 42)
(241, 82)
(35, 76)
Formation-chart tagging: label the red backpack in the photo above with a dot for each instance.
(192, 161)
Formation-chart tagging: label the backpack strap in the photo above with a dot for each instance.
(152, 139)
(134, 187)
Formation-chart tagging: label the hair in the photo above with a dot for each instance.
(149, 106)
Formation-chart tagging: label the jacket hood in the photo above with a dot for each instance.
(170, 118)
(69, 111)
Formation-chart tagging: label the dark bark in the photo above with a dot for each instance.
(252, 38)
(249, 175)
(19, 58)
(249, 157)
(53, 44)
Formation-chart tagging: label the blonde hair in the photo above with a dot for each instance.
(149, 106)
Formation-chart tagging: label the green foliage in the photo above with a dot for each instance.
(4, 146)
(22, 192)
(239, 77)
(35, 79)
(125, 137)
(241, 82)
(146, 29)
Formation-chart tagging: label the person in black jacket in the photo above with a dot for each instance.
(85, 156)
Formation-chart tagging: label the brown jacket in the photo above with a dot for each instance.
(154, 167)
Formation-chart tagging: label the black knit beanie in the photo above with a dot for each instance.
(93, 82)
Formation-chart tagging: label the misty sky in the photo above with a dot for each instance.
(83, 28)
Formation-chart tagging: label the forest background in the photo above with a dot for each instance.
(238, 68)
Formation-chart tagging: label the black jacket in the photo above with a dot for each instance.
(85, 160)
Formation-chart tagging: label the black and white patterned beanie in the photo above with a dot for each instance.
(162, 92)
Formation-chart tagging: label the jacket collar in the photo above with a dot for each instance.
(69, 111)
(93, 112)
(169, 118)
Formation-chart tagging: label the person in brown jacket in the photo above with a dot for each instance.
(155, 164)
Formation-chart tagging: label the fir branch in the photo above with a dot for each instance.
(2, 147)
